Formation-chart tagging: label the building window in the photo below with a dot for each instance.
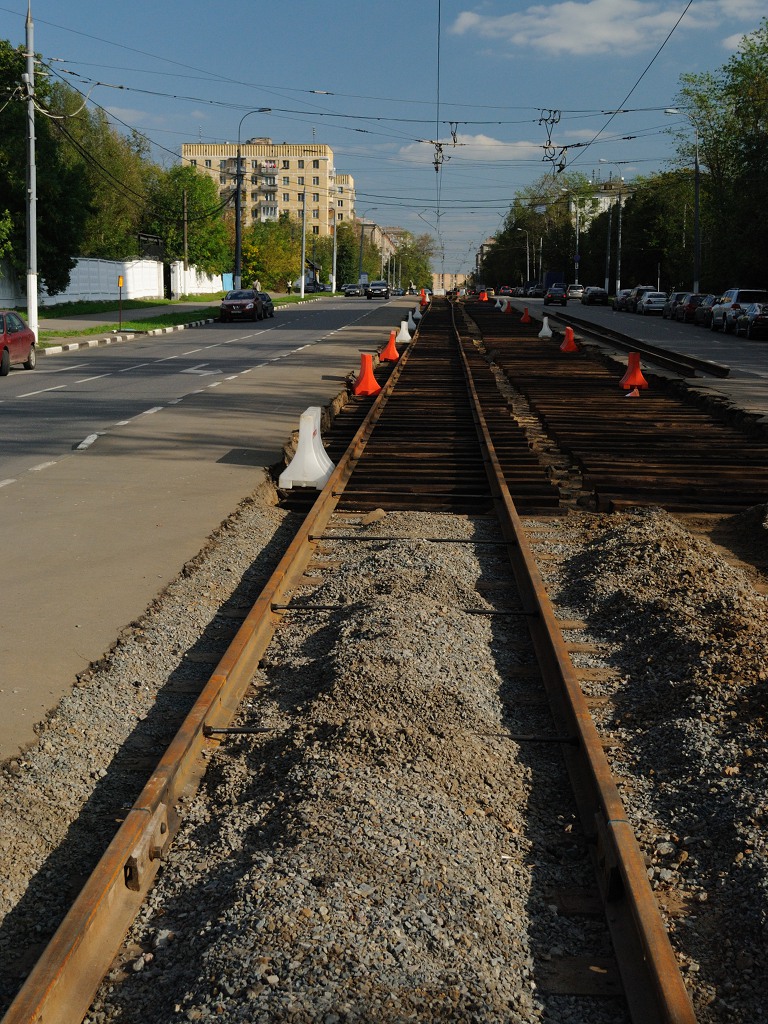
(286, 180)
(254, 178)
(315, 230)
(315, 197)
(339, 216)
(341, 190)
(301, 165)
(315, 215)
(300, 181)
(254, 164)
(315, 163)
(193, 163)
(286, 197)
(286, 165)
(315, 180)
(222, 179)
(207, 163)
(339, 202)
(300, 197)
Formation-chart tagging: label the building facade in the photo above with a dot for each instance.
(297, 179)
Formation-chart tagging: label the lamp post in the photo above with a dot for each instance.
(617, 163)
(28, 79)
(362, 234)
(238, 203)
(696, 186)
(527, 255)
(303, 239)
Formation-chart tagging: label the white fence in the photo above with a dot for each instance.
(97, 280)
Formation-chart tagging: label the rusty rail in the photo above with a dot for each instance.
(63, 983)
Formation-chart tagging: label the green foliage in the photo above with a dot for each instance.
(63, 200)
(271, 253)
(208, 241)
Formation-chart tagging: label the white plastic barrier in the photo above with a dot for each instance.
(310, 466)
(411, 323)
(403, 335)
(546, 330)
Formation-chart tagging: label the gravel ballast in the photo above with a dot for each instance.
(384, 849)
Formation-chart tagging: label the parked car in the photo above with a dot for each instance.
(556, 293)
(352, 289)
(377, 290)
(575, 291)
(651, 303)
(505, 290)
(753, 320)
(702, 315)
(398, 291)
(636, 294)
(243, 304)
(17, 343)
(730, 304)
(595, 296)
(536, 291)
(671, 304)
(686, 307)
(619, 300)
(267, 305)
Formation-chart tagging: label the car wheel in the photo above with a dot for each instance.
(31, 359)
(272, 312)
(712, 324)
(5, 363)
(726, 326)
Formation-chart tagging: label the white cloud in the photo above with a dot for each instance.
(479, 148)
(616, 27)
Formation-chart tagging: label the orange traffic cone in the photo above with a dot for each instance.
(569, 343)
(366, 384)
(508, 306)
(483, 296)
(634, 393)
(526, 317)
(633, 378)
(389, 353)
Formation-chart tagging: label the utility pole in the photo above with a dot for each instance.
(29, 81)
(186, 238)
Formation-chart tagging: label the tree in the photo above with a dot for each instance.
(272, 253)
(117, 170)
(63, 201)
(208, 241)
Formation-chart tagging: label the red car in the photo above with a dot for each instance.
(17, 343)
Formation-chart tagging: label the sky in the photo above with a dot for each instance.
(494, 92)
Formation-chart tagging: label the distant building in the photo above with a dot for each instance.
(278, 178)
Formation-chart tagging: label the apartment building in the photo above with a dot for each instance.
(278, 178)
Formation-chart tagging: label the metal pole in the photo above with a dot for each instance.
(608, 248)
(696, 225)
(303, 238)
(334, 250)
(576, 258)
(618, 252)
(238, 219)
(29, 81)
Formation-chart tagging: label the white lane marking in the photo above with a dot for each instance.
(191, 351)
(43, 465)
(42, 391)
(199, 370)
(4, 483)
(61, 369)
(85, 380)
(86, 443)
(233, 377)
(167, 359)
(123, 423)
(137, 366)
(148, 412)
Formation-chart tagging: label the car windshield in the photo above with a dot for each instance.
(240, 295)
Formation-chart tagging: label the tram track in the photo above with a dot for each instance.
(64, 981)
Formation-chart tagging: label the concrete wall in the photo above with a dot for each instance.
(96, 280)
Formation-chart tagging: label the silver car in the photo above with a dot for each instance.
(651, 303)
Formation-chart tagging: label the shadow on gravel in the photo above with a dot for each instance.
(27, 929)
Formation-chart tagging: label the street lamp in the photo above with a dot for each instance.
(696, 223)
(616, 163)
(238, 189)
(362, 233)
(527, 255)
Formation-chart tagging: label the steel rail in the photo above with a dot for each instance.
(655, 990)
(64, 981)
(674, 361)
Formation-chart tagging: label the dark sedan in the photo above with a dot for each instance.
(752, 321)
(685, 310)
(702, 316)
(267, 305)
(243, 304)
(556, 293)
(595, 296)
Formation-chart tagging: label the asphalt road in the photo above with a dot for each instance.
(118, 463)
